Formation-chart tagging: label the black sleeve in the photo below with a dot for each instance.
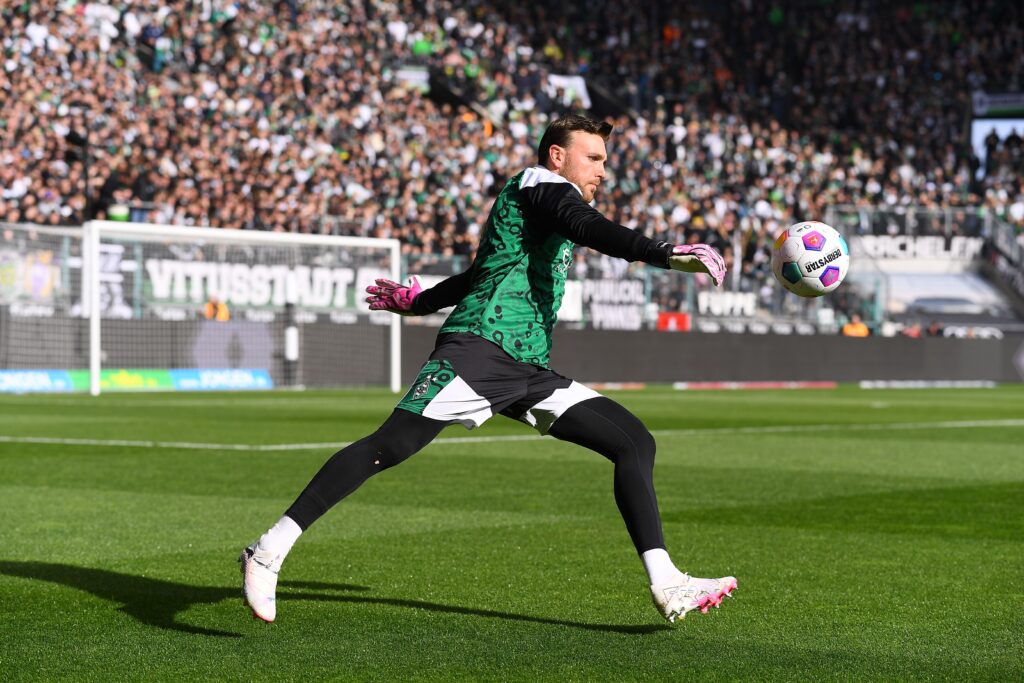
(444, 294)
(560, 208)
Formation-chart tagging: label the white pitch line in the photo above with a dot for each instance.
(129, 444)
(781, 429)
(881, 426)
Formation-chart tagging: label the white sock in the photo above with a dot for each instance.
(659, 566)
(280, 538)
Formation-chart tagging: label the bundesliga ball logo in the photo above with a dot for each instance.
(810, 259)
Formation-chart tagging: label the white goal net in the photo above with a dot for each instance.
(44, 340)
(153, 307)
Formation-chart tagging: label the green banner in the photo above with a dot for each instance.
(125, 380)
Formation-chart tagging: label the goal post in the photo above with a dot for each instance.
(211, 308)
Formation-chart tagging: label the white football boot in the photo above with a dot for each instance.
(678, 596)
(259, 581)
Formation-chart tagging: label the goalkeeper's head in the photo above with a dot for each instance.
(573, 147)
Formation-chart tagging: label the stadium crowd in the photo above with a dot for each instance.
(295, 116)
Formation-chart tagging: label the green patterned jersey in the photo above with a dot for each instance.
(512, 292)
(518, 276)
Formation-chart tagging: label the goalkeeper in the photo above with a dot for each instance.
(491, 357)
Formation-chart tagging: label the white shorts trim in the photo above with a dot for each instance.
(542, 415)
(457, 402)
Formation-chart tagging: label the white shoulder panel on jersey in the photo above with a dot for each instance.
(538, 174)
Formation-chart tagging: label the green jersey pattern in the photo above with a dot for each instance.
(518, 279)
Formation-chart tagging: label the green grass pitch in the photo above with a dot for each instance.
(876, 535)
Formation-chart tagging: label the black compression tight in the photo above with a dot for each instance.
(604, 426)
(599, 424)
(401, 436)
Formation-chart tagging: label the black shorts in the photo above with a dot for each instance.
(468, 379)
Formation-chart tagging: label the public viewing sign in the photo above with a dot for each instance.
(614, 304)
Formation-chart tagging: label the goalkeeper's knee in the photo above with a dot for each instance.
(403, 435)
(386, 453)
(636, 449)
(645, 448)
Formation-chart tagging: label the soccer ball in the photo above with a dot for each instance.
(810, 258)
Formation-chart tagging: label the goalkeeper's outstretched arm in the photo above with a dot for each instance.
(573, 218)
(446, 293)
(412, 299)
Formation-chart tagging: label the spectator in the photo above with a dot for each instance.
(856, 327)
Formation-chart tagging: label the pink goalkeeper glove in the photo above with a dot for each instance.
(388, 295)
(698, 258)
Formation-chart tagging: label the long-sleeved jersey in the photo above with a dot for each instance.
(512, 292)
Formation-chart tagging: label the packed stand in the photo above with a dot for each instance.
(291, 116)
(747, 118)
(279, 116)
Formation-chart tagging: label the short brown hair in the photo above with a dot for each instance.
(560, 130)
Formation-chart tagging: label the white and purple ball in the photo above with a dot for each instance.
(810, 258)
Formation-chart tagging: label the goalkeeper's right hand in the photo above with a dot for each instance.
(698, 258)
(388, 295)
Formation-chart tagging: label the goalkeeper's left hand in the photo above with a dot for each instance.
(388, 295)
(698, 258)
